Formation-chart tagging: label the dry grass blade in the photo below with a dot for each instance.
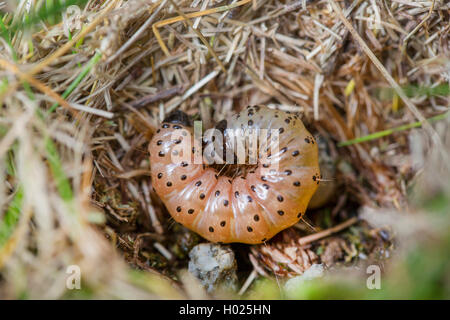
(190, 16)
(328, 232)
(200, 35)
(62, 50)
(405, 41)
(39, 85)
(159, 5)
(433, 134)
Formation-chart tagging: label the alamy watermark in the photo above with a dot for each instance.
(374, 279)
(231, 146)
(73, 280)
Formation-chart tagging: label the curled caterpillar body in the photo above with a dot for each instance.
(248, 202)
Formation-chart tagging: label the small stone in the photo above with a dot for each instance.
(214, 265)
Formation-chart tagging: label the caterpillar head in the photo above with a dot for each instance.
(178, 117)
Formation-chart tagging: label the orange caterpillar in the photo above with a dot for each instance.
(256, 201)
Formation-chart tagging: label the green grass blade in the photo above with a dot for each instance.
(12, 214)
(414, 90)
(48, 12)
(78, 79)
(62, 182)
(379, 134)
(7, 36)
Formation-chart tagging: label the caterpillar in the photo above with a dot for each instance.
(247, 202)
